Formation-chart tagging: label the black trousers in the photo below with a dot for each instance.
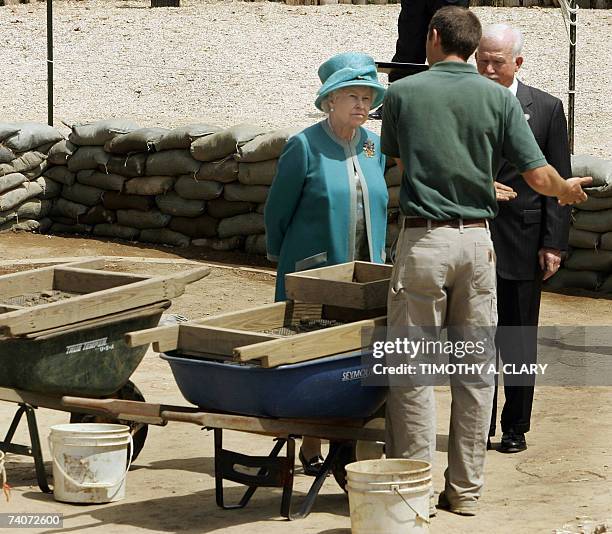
(412, 28)
(518, 305)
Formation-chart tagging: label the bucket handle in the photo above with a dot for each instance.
(92, 484)
(395, 489)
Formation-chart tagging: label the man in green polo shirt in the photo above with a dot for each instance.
(449, 128)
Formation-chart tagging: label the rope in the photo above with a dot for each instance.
(566, 11)
(6, 489)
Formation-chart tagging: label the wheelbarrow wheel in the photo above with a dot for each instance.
(358, 450)
(346, 456)
(139, 431)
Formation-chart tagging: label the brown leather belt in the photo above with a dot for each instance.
(420, 222)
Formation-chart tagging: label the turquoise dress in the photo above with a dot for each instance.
(311, 212)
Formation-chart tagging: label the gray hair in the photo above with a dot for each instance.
(326, 103)
(503, 32)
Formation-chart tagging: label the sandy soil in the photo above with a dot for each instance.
(565, 473)
(229, 62)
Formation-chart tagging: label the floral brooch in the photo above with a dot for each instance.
(369, 148)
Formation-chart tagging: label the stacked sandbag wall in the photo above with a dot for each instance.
(25, 193)
(588, 264)
(194, 185)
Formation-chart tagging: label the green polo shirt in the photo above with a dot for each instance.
(451, 127)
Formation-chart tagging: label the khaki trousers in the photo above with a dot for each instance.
(444, 277)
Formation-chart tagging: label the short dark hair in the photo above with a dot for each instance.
(459, 30)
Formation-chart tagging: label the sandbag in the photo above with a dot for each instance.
(172, 204)
(149, 185)
(606, 241)
(108, 182)
(6, 155)
(265, 147)
(28, 135)
(601, 171)
(60, 174)
(98, 215)
(202, 226)
(246, 224)
(59, 228)
(116, 230)
(606, 286)
(231, 243)
(246, 193)
(261, 208)
(224, 143)
(88, 157)
(221, 208)
(393, 176)
(171, 163)
(37, 171)
(97, 133)
(164, 237)
(394, 195)
(183, 136)
(256, 244)
(590, 260)
(136, 141)
(131, 165)
(191, 188)
(60, 152)
(142, 219)
(50, 188)
(117, 201)
(32, 209)
(64, 220)
(26, 162)
(593, 221)
(27, 225)
(83, 194)
(260, 173)
(595, 204)
(14, 197)
(10, 181)
(568, 278)
(223, 171)
(583, 238)
(67, 208)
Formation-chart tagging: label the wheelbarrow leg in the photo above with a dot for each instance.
(34, 450)
(273, 471)
(335, 449)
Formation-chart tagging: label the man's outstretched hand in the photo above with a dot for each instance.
(574, 193)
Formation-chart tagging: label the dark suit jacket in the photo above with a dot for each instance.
(532, 221)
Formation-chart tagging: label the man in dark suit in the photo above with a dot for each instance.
(412, 26)
(530, 232)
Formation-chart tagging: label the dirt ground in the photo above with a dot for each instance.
(565, 473)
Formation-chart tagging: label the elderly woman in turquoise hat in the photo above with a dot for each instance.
(328, 201)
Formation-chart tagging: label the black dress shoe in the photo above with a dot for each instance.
(512, 442)
(376, 114)
(313, 466)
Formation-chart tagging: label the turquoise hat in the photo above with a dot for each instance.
(346, 70)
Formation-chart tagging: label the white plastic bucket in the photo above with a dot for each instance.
(389, 496)
(90, 461)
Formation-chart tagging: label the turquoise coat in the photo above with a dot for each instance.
(310, 214)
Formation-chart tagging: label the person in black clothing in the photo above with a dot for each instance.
(529, 233)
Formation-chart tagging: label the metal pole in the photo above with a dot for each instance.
(572, 75)
(50, 62)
